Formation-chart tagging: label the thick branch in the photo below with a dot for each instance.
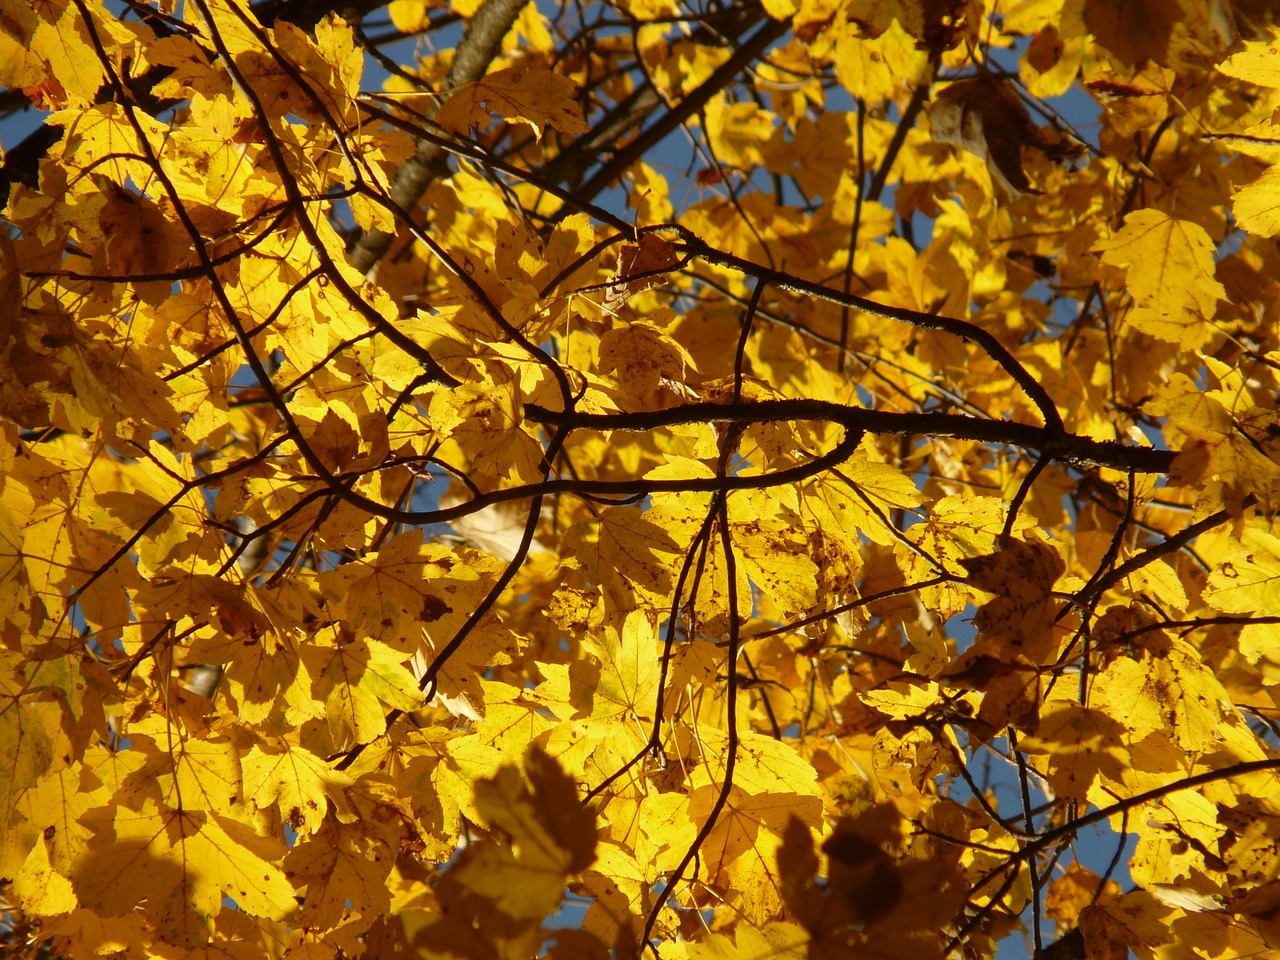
(1065, 447)
(476, 50)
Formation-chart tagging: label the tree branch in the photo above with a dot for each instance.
(1064, 447)
(683, 110)
(694, 246)
(476, 50)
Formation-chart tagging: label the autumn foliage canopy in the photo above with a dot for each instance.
(781, 479)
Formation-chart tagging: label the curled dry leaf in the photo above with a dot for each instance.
(641, 266)
(986, 116)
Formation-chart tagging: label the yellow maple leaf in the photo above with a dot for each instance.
(191, 773)
(103, 138)
(624, 552)
(41, 889)
(331, 63)
(29, 736)
(182, 863)
(1176, 697)
(354, 680)
(339, 865)
(292, 778)
(16, 602)
(958, 526)
(1074, 745)
(1249, 580)
(643, 356)
(1077, 888)
(875, 69)
(517, 94)
(551, 838)
(1257, 204)
(1170, 272)
(855, 500)
(440, 769)
(1182, 827)
(483, 424)
(21, 66)
(1020, 620)
(1258, 62)
(606, 706)
(395, 593)
(741, 850)
(55, 807)
(64, 44)
(738, 131)
(628, 677)
(903, 701)
(1224, 433)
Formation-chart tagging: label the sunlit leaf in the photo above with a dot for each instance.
(1170, 273)
(538, 98)
(491, 479)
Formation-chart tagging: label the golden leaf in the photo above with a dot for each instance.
(552, 837)
(1170, 272)
(538, 98)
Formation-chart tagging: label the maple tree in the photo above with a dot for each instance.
(426, 500)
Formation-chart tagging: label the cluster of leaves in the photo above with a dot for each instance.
(553, 519)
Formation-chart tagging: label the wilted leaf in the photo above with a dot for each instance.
(986, 117)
